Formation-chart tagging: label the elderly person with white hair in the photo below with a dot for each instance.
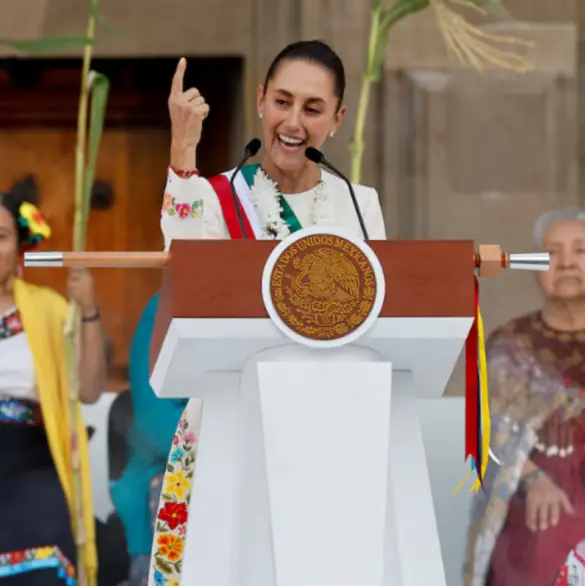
(527, 523)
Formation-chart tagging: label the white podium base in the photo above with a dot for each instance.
(311, 471)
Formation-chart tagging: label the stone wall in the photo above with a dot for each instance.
(454, 153)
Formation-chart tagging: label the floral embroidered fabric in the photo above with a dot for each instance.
(20, 411)
(573, 571)
(10, 324)
(38, 558)
(16, 410)
(173, 513)
(182, 210)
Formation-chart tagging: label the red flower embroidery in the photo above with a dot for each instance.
(183, 210)
(173, 514)
(14, 324)
(17, 556)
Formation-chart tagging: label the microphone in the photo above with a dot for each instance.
(251, 149)
(318, 157)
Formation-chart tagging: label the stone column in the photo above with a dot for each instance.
(580, 75)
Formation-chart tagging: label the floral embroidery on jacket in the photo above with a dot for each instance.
(10, 324)
(182, 209)
(20, 411)
(37, 558)
(173, 513)
(573, 571)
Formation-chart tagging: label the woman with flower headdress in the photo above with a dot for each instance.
(37, 545)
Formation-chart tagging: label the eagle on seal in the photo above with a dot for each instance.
(326, 274)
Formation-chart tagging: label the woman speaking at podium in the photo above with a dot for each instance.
(300, 105)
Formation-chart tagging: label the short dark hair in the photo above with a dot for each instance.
(316, 52)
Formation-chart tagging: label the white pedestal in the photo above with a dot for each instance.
(311, 471)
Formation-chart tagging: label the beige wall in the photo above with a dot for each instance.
(454, 153)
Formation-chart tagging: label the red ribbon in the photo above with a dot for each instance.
(221, 186)
(472, 387)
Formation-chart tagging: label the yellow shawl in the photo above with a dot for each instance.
(44, 313)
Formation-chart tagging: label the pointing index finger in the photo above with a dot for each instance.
(177, 85)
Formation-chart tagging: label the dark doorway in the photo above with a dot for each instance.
(38, 117)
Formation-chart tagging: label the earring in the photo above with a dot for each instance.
(331, 134)
(260, 115)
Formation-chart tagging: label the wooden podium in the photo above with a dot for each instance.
(311, 469)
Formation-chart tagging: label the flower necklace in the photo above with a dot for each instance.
(265, 196)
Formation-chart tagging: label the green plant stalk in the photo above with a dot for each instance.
(73, 325)
(383, 19)
(357, 146)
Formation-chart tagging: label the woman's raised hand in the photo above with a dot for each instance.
(187, 110)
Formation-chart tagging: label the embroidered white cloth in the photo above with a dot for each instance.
(17, 374)
(214, 227)
(573, 571)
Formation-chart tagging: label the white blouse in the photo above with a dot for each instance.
(17, 373)
(214, 225)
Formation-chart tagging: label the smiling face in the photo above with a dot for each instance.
(565, 241)
(299, 109)
(8, 245)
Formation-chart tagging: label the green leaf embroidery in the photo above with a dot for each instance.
(163, 566)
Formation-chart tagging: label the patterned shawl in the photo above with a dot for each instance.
(533, 371)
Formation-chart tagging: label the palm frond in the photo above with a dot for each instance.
(383, 19)
(468, 43)
(492, 7)
(47, 44)
(99, 17)
(99, 90)
(473, 46)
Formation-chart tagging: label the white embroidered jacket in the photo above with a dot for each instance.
(180, 191)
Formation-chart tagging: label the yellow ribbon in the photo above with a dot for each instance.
(485, 423)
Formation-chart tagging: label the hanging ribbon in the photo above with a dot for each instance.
(472, 406)
(477, 415)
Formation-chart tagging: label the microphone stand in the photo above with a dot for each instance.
(317, 156)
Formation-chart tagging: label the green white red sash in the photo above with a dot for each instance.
(243, 187)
